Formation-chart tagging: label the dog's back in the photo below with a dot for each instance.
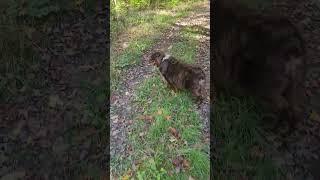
(175, 72)
(185, 76)
(180, 75)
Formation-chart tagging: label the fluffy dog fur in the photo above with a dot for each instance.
(179, 75)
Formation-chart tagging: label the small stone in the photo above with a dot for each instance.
(141, 134)
(115, 119)
(125, 45)
(115, 133)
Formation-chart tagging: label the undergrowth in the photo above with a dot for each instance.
(241, 151)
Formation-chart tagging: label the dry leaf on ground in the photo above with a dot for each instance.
(174, 132)
(168, 118)
(185, 164)
(159, 112)
(147, 118)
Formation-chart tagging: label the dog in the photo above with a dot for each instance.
(179, 75)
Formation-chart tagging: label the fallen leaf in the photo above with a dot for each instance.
(177, 161)
(185, 164)
(190, 178)
(149, 118)
(168, 118)
(159, 112)
(174, 132)
(146, 118)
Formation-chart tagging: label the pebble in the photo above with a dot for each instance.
(115, 132)
(114, 117)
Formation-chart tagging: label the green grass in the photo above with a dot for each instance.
(157, 144)
(154, 147)
(157, 147)
(142, 29)
(236, 130)
(185, 50)
(156, 17)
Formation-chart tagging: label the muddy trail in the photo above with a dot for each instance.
(122, 107)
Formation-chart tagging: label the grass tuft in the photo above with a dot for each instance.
(241, 150)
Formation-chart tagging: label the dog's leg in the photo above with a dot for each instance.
(165, 81)
(169, 85)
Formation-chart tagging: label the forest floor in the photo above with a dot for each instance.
(53, 97)
(151, 126)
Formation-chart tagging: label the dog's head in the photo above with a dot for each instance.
(157, 57)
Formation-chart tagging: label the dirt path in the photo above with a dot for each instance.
(122, 109)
